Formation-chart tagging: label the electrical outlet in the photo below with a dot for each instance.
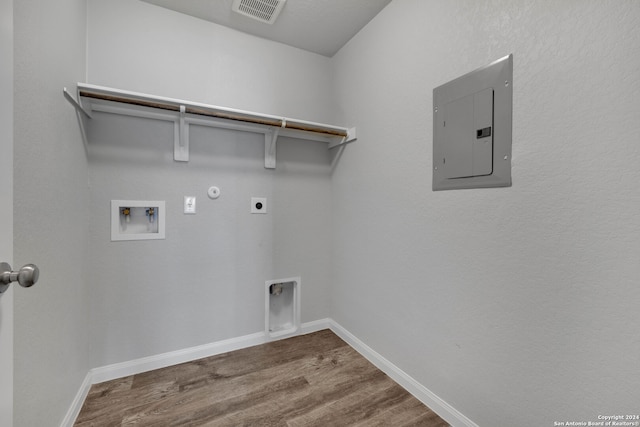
(258, 205)
(189, 204)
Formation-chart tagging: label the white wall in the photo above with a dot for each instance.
(205, 281)
(518, 306)
(145, 48)
(50, 210)
(6, 215)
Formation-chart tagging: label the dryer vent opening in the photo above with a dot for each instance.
(282, 308)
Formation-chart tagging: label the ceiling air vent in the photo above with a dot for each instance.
(262, 10)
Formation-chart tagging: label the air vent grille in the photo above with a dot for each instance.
(262, 10)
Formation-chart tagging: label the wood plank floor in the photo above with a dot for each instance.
(309, 380)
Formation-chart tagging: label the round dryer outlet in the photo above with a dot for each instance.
(213, 192)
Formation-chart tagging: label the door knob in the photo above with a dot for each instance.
(27, 276)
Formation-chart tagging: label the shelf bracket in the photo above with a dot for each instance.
(181, 137)
(270, 139)
(79, 108)
(350, 137)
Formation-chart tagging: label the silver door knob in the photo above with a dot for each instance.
(27, 276)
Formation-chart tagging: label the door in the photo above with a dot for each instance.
(6, 212)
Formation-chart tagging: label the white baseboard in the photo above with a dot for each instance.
(144, 364)
(137, 366)
(423, 394)
(77, 403)
(315, 326)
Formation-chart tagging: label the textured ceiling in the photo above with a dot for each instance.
(319, 26)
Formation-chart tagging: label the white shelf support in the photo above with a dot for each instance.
(183, 113)
(350, 137)
(270, 140)
(79, 108)
(181, 137)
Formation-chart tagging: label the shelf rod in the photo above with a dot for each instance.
(218, 113)
(183, 113)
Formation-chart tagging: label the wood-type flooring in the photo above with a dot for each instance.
(309, 380)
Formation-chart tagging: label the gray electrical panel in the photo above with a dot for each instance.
(472, 126)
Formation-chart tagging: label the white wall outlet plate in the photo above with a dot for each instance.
(189, 204)
(258, 205)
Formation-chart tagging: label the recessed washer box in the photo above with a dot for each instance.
(137, 220)
(472, 127)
